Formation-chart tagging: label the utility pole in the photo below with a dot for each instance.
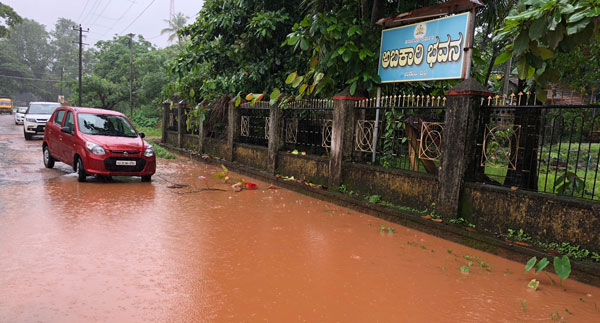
(62, 72)
(130, 77)
(80, 56)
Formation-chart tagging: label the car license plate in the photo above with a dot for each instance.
(125, 163)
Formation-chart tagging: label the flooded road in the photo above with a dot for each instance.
(128, 251)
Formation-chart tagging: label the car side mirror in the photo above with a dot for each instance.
(142, 135)
(66, 130)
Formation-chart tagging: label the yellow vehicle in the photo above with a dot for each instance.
(6, 105)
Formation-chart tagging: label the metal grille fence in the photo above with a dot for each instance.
(409, 132)
(254, 127)
(215, 125)
(307, 126)
(552, 148)
(172, 121)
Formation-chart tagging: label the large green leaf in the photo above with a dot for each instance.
(521, 43)
(523, 68)
(353, 88)
(304, 44)
(291, 78)
(537, 29)
(541, 265)
(577, 27)
(562, 267)
(530, 263)
(274, 95)
(353, 30)
(297, 81)
(503, 58)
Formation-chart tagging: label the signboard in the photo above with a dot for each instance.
(431, 50)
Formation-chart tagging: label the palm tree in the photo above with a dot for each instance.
(176, 22)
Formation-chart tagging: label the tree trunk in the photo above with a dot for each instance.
(364, 9)
(377, 12)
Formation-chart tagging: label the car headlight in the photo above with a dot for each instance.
(30, 119)
(95, 148)
(149, 152)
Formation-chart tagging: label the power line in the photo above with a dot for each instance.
(84, 7)
(27, 78)
(136, 18)
(92, 9)
(120, 18)
(101, 12)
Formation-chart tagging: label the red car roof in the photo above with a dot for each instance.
(97, 111)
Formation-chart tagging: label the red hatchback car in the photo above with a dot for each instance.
(97, 142)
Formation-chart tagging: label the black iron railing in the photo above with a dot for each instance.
(553, 149)
(307, 126)
(408, 129)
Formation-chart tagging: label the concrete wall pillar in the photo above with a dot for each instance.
(342, 136)
(233, 129)
(460, 150)
(275, 136)
(166, 106)
(201, 133)
(179, 125)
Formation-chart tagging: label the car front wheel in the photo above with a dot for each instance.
(28, 136)
(48, 159)
(80, 171)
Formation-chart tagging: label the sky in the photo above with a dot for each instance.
(105, 18)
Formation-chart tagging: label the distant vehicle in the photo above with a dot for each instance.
(6, 105)
(36, 117)
(20, 115)
(97, 142)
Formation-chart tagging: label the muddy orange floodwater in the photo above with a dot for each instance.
(144, 252)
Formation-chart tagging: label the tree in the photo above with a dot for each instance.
(235, 46)
(11, 19)
(540, 29)
(107, 84)
(65, 52)
(27, 57)
(175, 24)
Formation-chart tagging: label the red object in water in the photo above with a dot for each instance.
(250, 186)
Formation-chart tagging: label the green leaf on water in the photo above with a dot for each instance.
(465, 269)
(530, 263)
(541, 265)
(562, 267)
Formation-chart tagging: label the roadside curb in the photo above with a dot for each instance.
(588, 273)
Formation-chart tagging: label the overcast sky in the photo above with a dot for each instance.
(105, 18)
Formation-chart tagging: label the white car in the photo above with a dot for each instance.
(36, 117)
(20, 115)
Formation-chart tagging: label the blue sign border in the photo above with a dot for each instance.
(425, 51)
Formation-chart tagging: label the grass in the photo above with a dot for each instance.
(162, 152)
(150, 132)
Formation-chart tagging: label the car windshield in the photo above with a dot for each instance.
(22, 109)
(4, 102)
(42, 108)
(105, 125)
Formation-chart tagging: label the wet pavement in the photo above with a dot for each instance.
(127, 251)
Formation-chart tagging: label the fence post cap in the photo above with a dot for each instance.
(350, 98)
(469, 87)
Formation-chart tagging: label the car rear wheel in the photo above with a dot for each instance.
(81, 177)
(48, 159)
(146, 178)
